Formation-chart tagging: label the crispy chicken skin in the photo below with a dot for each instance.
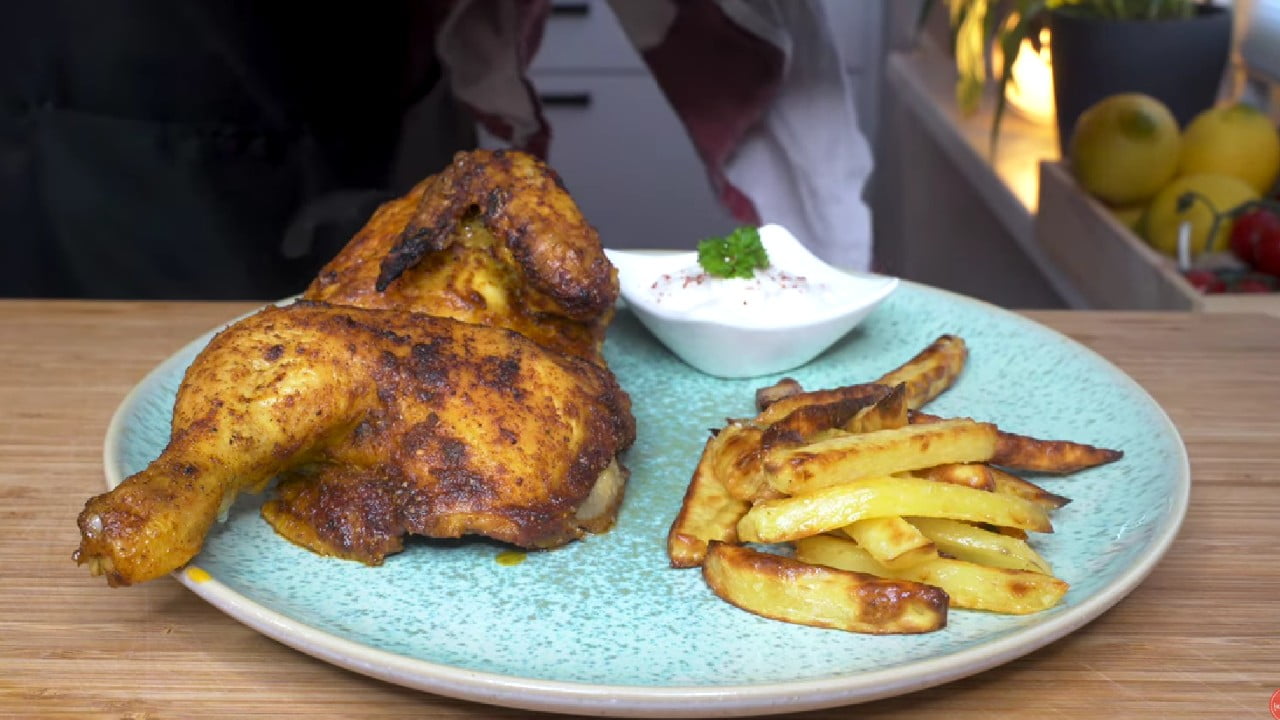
(442, 376)
(494, 239)
(381, 423)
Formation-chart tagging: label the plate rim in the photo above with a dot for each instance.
(675, 701)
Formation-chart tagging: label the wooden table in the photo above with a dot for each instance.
(1199, 639)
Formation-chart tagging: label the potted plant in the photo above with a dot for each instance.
(1174, 50)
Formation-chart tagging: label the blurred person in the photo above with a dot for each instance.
(227, 149)
(202, 149)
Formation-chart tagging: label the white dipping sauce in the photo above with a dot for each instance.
(783, 292)
(735, 328)
(770, 296)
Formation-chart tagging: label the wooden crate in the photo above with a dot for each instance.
(1110, 265)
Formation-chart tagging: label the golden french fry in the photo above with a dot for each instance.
(838, 552)
(840, 459)
(975, 475)
(868, 487)
(892, 541)
(790, 404)
(1022, 452)
(979, 587)
(785, 589)
(784, 388)
(839, 505)
(1016, 533)
(930, 372)
(1020, 487)
(969, 585)
(708, 513)
(1061, 457)
(968, 542)
(805, 423)
(887, 413)
(734, 457)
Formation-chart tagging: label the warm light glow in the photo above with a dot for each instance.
(1030, 87)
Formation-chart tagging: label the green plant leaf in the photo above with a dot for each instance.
(1027, 15)
(971, 56)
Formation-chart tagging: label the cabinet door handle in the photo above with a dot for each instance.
(565, 99)
(570, 9)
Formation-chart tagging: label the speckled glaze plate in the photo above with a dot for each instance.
(605, 627)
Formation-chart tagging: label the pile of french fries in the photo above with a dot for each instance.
(894, 515)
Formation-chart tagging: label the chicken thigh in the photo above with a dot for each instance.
(381, 423)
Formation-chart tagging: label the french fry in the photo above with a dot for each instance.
(931, 372)
(968, 585)
(708, 512)
(892, 541)
(895, 513)
(1020, 487)
(840, 459)
(804, 423)
(1022, 452)
(785, 589)
(887, 413)
(734, 456)
(790, 404)
(968, 542)
(786, 387)
(835, 506)
(1061, 457)
(974, 475)
(838, 552)
(979, 587)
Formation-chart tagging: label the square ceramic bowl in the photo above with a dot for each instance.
(732, 330)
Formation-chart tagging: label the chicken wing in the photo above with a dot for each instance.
(494, 239)
(382, 423)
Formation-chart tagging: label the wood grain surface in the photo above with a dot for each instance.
(1199, 639)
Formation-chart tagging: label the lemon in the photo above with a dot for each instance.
(1125, 148)
(1129, 216)
(1163, 216)
(1232, 140)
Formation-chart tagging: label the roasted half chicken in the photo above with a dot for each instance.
(383, 423)
(442, 376)
(494, 239)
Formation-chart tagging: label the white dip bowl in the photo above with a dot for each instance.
(738, 328)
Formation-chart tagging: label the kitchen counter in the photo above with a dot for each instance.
(1198, 639)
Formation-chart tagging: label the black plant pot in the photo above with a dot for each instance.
(1179, 62)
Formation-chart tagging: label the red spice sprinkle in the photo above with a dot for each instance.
(777, 278)
(695, 279)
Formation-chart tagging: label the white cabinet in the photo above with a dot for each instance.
(584, 35)
(619, 146)
(628, 162)
(615, 140)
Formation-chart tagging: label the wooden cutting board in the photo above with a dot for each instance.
(1199, 639)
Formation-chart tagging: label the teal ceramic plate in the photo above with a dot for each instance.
(605, 627)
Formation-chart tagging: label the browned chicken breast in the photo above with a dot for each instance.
(386, 423)
(494, 239)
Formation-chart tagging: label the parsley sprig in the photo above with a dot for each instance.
(736, 255)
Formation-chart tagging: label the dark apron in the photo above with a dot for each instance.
(168, 149)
